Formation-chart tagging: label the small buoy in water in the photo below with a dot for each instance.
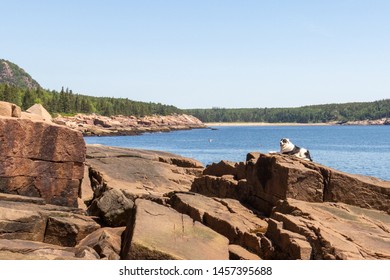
(210, 140)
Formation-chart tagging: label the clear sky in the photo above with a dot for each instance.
(203, 54)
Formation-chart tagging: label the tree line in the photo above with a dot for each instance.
(306, 114)
(67, 102)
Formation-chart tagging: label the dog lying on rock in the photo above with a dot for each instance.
(288, 148)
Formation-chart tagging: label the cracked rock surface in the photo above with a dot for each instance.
(140, 172)
(331, 230)
(41, 159)
(159, 232)
(139, 204)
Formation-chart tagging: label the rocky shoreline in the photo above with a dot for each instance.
(96, 125)
(63, 199)
(383, 121)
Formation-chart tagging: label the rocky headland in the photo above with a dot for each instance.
(96, 125)
(383, 121)
(63, 199)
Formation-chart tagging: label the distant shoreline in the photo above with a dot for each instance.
(265, 124)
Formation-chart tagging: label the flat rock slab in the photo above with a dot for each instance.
(32, 250)
(334, 230)
(21, 224)
(239, 253)
(140, 172)
(53, 224)
(158, 232)
(226, 216)
(20, 198)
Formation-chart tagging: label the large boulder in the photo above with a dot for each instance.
(225, 167)
(40, 159)
(39, 110)
(278, 177)
(68, 230)
(21, 224)
(113, 207)
(159, 232)
(9, 110)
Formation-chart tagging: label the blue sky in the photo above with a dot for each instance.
(203, 54)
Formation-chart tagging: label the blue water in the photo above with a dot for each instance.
(353, 149)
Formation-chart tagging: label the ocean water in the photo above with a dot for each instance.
(354, 149)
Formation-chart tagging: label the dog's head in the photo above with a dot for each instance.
(286, 145)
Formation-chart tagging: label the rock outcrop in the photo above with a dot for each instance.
(269, 178)
(138, 204)
(12, 249)
(308, 230)
(41, 159)
(226, 216)
(31, 229)
(314, 212)
(107, 242)
(38, 111)
(128, 125)
(9, 110)
(139, 173)
(270, 206)
(383, 121)
(51, 224)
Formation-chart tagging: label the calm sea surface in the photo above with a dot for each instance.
(353, 149)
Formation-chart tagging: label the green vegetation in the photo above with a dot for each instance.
(16, 86)
(306, 114)
(67, 102)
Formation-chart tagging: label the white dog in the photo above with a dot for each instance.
(288, 148)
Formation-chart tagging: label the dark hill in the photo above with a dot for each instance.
(13, 75)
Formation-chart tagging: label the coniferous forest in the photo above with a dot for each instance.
(306, 114)
(67, 102)
(18, 87)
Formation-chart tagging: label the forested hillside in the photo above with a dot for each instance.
(17, 86)
(67, 102)
(306, 114)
